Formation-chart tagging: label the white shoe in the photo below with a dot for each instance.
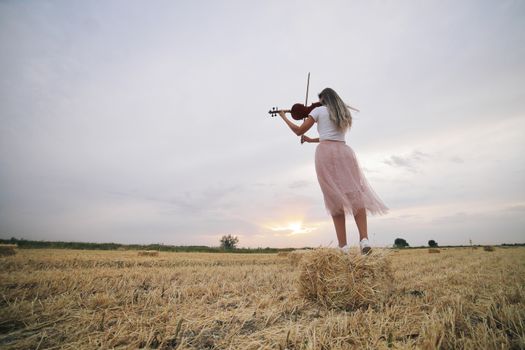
(365, 246)
(345, 249)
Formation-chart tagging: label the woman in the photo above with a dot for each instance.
(344, 187)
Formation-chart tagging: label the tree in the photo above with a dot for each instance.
(432, 243)
(400, 243)
(229, 242)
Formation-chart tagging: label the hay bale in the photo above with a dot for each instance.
(7, 249)
(489, 248)
(283, 254)
(346, 281)
(434, 250)
(295, 256)
(148, 253)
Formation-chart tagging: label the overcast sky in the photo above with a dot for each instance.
(146, 121)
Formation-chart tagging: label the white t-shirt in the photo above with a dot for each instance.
(327, 129)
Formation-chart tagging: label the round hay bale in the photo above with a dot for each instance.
(295, 256)
(489, 248)
(148, 253)
(283, 254)
(346, 281)
(434, 250)
(7, 249)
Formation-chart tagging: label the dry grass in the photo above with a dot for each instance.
(459, 299)
(148, 253)
(295, 256)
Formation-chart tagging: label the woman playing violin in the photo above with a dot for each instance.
(343, 184)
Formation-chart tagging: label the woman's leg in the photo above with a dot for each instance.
(360, 220)
(340, 228)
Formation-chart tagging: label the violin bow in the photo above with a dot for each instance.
(306, 101)
(307, 86)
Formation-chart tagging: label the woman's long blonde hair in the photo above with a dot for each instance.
(338, 110)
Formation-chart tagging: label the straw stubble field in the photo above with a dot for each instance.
(459, 299)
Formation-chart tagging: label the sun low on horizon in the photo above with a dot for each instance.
(291, 228)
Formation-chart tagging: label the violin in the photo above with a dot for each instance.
(298, 111)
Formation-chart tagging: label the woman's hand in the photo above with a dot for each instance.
(305, 138)
(282, 113)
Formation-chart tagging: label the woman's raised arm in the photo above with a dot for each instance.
(298, 129)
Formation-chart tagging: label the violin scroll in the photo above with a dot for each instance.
(274, 111)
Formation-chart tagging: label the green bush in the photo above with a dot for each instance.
(400, 243)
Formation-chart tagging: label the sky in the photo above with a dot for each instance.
(146, 121)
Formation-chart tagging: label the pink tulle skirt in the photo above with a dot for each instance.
(344, 186)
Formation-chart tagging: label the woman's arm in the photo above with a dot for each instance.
(298, 129)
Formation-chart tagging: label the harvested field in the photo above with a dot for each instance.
(459, 299)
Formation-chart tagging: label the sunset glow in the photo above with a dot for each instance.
(292, 228)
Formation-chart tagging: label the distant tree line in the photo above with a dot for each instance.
(29, 244)
(402, 243)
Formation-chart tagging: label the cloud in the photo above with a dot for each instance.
(517, 208)
(409, 162)
(457, 159)
(262, 184)
(370, 171)
(195, 202)
(299, 184)
(458, 217)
